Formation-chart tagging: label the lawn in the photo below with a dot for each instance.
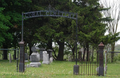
(57, 69)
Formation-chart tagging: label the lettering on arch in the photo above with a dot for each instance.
(52, 13)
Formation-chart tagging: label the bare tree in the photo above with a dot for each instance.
(114, 13)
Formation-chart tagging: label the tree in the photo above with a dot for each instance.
(3, 26)
(113, 12)
(48, 28)
(35, 26)
(90, 27)
(4, 21)
(12, 11)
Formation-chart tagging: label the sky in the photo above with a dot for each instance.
(110, 2)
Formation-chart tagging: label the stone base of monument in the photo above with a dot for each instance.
(26, 61)
(45, 62)
(35, 64)
(76, 69)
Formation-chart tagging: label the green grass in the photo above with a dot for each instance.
(57, 69)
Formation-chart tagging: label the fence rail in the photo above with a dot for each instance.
(113, 52)
(17, 55)
(9, 49)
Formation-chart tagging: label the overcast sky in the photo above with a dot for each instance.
(109, 3)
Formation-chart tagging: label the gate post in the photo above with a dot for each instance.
(101, 58)
(22, 54)
(76, 67)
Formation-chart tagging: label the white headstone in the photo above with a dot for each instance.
(51, 59)
(35, 58)
(69, 57)
(45, 58)
(10, 59)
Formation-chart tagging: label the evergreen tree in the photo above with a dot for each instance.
(12, 11)
(91, 29)
(3, 26)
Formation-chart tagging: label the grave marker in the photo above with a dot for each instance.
(26, 57)
(35, 58)
(41, 53)
(10, 59)
(45, 58)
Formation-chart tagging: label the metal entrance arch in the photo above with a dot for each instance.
(45, 13)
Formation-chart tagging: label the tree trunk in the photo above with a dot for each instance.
(112, 49)
(49, 44)
(87, 45)
(61, 50)
(73, 53)
(30, 45)
(84, 53)
(5, 54)
(14, 54)
(92, 53)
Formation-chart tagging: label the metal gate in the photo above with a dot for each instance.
(88, 64)
(92, 63)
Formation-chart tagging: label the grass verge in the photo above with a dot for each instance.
(57, 69)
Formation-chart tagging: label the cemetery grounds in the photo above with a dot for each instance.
(57, 69)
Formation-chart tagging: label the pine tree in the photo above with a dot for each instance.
(91, 29)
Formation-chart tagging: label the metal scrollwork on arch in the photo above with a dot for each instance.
(51, 13)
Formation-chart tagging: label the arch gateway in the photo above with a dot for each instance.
(45, 13)
(74, 16)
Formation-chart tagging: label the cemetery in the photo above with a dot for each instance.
(59, 39)
(57, 69)
(34, 67)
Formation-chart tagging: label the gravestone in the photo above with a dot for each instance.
(37, 48)
(35, 58)
(51, 59)
(41, 53)
(10, 59)
(49, 51)
(45, 58)
(34, 49)
(26, 57)
(69, 57)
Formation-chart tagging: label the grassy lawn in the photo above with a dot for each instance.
(57, 69)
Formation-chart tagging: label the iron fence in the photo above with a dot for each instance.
(17, 58)
(88, 66)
